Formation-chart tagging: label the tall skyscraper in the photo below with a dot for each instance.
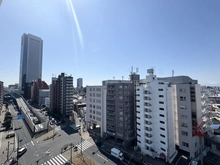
(1, 94)
(31, 59)
(79, 83)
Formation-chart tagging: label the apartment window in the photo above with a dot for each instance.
(184, 125)
(183, 117)
(183, 107)
(162, 122)
(163, 129)
(161, 102)
(90, 94)
(93, 112)
(98, 95)
(161, 96)
(195, 144)
(93, 89)
(93, 117)
(163, 149)
(90, 89)
(93, 100)
(138, 123)
(162, 142)
(160, 89)
(138, 111)
(93, 94)
(98, 89)
(138, 135)
(90, 100)
(90, 111)
(182, 98)
(184, 133)
(93, 106)
(162, 135)
(98, 118)
(161, 115)
(162, 109)
(139, 129)
(139, 141)
(185, 144)
(90, 105)
(98, 113)
(90, 116)
(183, 90)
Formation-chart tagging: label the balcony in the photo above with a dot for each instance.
(148, 141)
(148, 122)
(110, 98)
(110, 107)
(148, 129)
(147, 104)
(147, 116)
(147, 111)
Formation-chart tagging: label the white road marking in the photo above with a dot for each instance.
(58, 160)
(63, 157)
(32, 143)
(102, 157)
(54, 160)
(1, 140)
(63, 161)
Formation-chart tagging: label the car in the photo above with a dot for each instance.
(21, 151)
(17, 128)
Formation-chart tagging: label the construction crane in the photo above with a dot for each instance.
(199, 128)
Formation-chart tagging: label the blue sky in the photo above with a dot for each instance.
(102, 39)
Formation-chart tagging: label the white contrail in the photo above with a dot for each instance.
(70, 4)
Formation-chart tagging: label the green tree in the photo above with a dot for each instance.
(7, 120)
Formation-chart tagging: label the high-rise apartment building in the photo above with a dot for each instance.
(53, 95)
(30, 60)
(61, 95)
(79, 83)
(120, 111)
(1, 94)
(187, 113)
(96, 107)
(155, 118)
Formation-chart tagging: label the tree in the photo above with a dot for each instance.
(7, 120)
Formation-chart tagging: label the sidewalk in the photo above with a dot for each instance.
(8, 147)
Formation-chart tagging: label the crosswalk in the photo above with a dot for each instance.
(57, 160)
(84, 145)
(27, 144)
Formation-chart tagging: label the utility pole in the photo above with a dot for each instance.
(81, 139)
(8, 151)
(71, 152)
(17, 149)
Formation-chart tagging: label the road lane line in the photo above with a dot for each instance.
(54, 160)
(102, 157)
(32, 143)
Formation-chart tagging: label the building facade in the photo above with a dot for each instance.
(53, 95)
(61, 95)
(1, 94)
(120, 111)
(79, 83)
(187, 114)
(35, 90)
(44, 94)
(96, 107)
(155, 118)
(30, 60)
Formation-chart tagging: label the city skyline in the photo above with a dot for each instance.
(107, 40)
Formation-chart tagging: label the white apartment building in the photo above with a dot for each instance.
(187, 112)
(96, 107)
(155, 118)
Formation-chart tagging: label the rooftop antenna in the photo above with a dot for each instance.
(122, 78)
(172, 73)
(136, 70)
(131, 69)
(113, 78)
